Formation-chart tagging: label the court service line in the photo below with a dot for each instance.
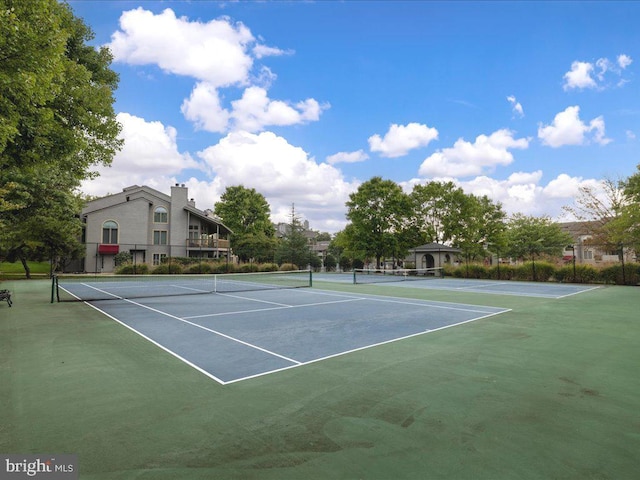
(258, 310)
(579, 291)
(365, 347)
(229, 337)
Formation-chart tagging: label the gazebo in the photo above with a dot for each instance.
(433, 255)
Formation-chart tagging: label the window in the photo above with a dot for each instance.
(110, 232)
(160, 215)
(159, 258)
(587, 255)
(159, 237)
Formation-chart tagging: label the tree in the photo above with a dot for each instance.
(480, 229)
(443, 213)
(293, 247)
(599, 207)
(344, 247)
(435, 205)
(378, 212)
(247, 213)
(56, 122)
(529, 236)
(629, 221)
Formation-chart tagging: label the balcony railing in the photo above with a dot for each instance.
(208, 243)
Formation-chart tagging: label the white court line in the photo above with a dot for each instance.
(579, 291)
(229, 337)
(295, 363)
(346, 352)
(258, 310)
(170, 352)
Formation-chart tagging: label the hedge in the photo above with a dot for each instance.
(548, 272)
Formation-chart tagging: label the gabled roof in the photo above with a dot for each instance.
(203, 217)
(434, 247)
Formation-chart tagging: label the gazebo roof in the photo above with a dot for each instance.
(434, 248)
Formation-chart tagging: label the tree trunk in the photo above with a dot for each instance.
(27, 270)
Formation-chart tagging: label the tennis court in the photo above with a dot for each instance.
(236, 336)
(490, 287)
(552, 379)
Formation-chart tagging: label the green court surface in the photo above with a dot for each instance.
(548, 390)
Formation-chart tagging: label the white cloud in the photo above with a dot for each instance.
(402, 138)
(255, 110)
(568, 129)
(347, 157)
(465, 159)
(523, 192)
(215, 51)
(283, 173)
(516, 106)
(581, 75)
(261, 51)
(624, 61)
(149, 156)
(203, 108)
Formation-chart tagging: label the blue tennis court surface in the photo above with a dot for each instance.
(233, 337)
(496, 287)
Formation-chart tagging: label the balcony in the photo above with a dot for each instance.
(208, 243)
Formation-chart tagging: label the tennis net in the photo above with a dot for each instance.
(114, 287)
(396, 275)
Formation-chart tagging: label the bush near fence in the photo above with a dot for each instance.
(548, 272)
(187, 266)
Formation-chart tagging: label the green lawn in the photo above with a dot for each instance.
(549, 390)
(8, 269)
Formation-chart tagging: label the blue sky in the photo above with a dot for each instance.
(522, 101)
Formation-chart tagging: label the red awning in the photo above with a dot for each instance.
(108, 249)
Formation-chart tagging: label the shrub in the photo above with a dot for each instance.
(131, 269)
(196, 268)
(248, 268)
(614, 274)
(269, 267)
(222, 267)
(167, 268)
(122, 259)
(474, 270)
(564, 274)
(585, 274)
(287, 267)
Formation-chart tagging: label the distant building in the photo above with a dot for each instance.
(588, 252)
(433, 255)
(151, 226)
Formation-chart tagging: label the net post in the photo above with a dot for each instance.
(310, 278)
(354, 276)
(53, 286)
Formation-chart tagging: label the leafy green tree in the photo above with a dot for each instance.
(294, 248)
(443, 213)
(434, 207)
(256, 247)
(244, 210)
(378, 212)
(480, 228)
(56, 123)
(247, 213)
(530, 237)
(344, 248)
(629, 221)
